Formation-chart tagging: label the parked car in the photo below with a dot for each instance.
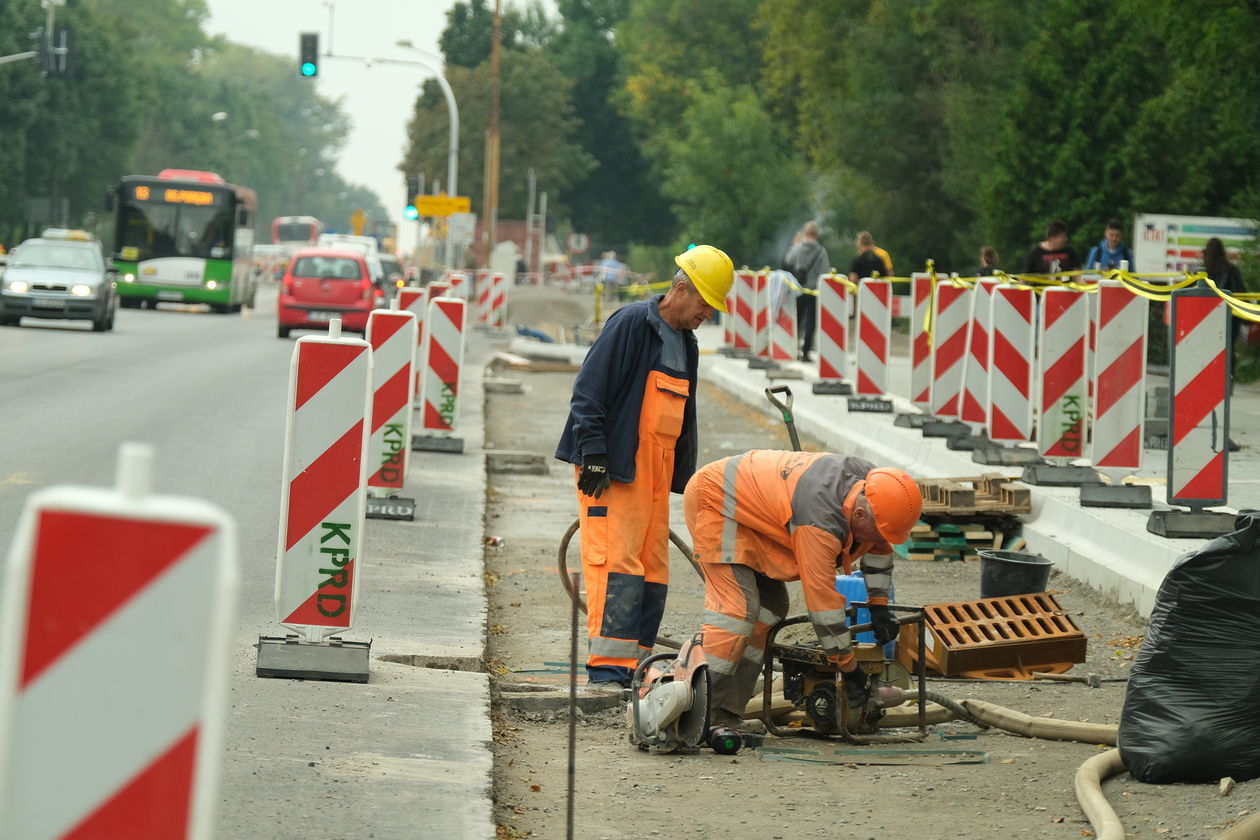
(61, 274)
(325, 283)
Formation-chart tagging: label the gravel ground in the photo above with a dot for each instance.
(1024, 788)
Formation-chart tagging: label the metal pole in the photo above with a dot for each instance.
(573, 655)
(542, 231)
(492, 144)
(529, 221)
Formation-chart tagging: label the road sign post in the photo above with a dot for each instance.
(115, 634)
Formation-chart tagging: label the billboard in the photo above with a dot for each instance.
(1163, 243)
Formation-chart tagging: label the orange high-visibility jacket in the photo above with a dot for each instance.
(799, 503)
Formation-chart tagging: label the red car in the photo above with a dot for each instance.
(325, 283)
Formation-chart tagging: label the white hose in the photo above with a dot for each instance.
(1041, 727)
(1089, 779)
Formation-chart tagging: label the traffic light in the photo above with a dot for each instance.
(413, 190)
(308, 55)
(53, 51)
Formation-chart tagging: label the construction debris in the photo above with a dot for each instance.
(988, 493)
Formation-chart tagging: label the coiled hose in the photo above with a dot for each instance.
(562, 563)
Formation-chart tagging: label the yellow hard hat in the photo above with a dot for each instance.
(711, 271)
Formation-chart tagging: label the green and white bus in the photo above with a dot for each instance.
(184, 236)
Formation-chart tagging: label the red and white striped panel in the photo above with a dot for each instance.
(1064, 392)
(323, 497)
(1198, 418)
(118, 621)
(1011, 352)
(761, 313)
(743, 311)
(415, 300)
(975, 393)
(920, 342)
(833, 326)
(482, 287)
(1120, 378)
(498, 299)
(874, 329)
(444, 359)
(783, 326)
(392, 334)
(458, 283)
(952, 309)
(728, 320)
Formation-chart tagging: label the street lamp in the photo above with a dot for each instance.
(452, 157)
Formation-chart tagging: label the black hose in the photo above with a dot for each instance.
(563, 567)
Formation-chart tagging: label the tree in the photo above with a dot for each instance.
(730, 174)
(469, 34)
(619, 200)
(536, 124)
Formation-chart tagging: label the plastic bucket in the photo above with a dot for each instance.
(1005, 573)
(853, 588)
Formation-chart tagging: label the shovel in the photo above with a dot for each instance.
(785, 408)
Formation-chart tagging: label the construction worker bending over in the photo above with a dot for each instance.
(766, 517)
(631, 433)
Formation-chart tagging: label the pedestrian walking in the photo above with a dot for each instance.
(807, 259)
(631, 435)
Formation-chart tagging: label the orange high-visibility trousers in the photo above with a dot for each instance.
(625, 540)
(740, 607)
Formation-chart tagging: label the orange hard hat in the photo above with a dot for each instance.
(895, 503)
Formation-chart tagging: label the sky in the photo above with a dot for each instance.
(377, 98)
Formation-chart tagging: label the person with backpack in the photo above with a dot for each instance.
(806, 260)
(1110, 250)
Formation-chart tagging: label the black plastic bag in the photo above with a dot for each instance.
(1192, 709)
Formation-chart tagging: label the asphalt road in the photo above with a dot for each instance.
(300, 759)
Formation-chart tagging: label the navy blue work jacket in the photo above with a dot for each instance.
(608, 395)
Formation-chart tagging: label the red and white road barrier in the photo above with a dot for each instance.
(1198, 418)
(392, 335)
(1119, 378)
(975, 392)
(459, 284)
(728, 321)
(115, 634)
(874, 336)
(833, 326)
(499, 286)
(1012, 349)
(483, 294)
(952, 308)
(920, 342)
(742, 314)
(323, 496)
(761, 314)
(416, 301)
(1064, 389)
(444, 359)
(783, 324)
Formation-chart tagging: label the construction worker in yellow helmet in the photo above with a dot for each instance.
(631, 436)
(765, 517)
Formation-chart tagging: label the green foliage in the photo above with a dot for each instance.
(730, 174)
(536, 126)
(469, 34)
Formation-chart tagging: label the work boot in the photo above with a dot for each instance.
(606, 688)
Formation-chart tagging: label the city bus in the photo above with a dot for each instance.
(184, 236)
(295, 232)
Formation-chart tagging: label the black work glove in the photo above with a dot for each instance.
(594, 480)
(884, 624)
(857, 685)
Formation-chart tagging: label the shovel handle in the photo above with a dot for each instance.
(784, 405)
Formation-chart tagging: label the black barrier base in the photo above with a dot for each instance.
(726, 351)
(1006, 456)
(967, 443)
(872, 404)
(426, 443)
(761, 363)
(1135, 496)
(833, 387)
(1190, 524)
(778, 372)
(293, 659)
(945, 429)
(391, 507)
(1053, 475)
(914, 421)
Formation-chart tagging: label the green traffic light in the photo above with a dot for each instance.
(410, 213)
(308, 68)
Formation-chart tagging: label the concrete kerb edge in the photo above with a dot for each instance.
(1124, 562)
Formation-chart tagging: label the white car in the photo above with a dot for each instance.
(366, 244)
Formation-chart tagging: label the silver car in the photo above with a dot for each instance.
(62, 275)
